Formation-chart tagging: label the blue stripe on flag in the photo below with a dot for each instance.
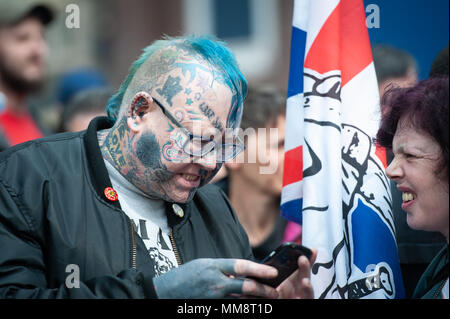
(374, 244)
(292, 210)
(298, 43)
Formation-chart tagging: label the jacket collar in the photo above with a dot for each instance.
(99, 173)
(97, 169)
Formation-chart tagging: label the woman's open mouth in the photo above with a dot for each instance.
(408, 199)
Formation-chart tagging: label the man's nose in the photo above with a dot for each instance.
(208, 161)
(39, 49)
(42, 48)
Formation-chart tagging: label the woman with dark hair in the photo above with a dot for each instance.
(416, 128)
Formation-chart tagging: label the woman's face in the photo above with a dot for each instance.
(424, 187)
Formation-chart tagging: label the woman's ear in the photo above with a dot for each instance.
(141, 104)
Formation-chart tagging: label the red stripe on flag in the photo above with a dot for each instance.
(356, 50)
(380, 152)
(323, 56)
(293, 166)
(342, 43)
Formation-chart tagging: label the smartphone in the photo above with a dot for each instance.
(284, 258)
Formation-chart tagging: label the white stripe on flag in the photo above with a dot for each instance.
(294, 118)
(319, 11)
(368, 114)
(300, 18)
(292, 192)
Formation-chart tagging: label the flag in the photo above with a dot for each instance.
(334, 180)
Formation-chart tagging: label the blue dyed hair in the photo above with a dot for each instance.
(212, 50)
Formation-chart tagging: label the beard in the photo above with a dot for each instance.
(155, 172)
(149, 154)
(16, 82)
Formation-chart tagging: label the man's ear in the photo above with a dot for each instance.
(141, 104)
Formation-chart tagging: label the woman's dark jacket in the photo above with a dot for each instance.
(434, 278)
(57, 225)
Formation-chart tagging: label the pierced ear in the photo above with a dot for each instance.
(140, 106)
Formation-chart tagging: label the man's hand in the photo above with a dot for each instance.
(298, 285)
(215, 278)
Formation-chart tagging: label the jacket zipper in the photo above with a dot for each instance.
(175, 250)
(134, 248)
(439, 290)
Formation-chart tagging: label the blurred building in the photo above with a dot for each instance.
(112, 33)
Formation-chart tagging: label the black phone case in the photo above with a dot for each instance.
(284, 258)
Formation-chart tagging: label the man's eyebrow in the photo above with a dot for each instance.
(211, 115)
(217, 125)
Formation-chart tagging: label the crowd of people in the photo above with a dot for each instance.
(149, 194)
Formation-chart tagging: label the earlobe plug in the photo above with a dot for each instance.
(140, 105)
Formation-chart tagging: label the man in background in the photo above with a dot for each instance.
(23, 51)
(83, 107)
(255, 179)
(440, 64)
(74, 104)
(393, 67)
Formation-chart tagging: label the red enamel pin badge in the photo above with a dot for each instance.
(111, 194)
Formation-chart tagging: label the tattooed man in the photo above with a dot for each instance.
(123, 209)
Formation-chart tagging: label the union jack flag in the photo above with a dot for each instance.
(334, 175)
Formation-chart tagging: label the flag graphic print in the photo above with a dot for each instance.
(334, 175)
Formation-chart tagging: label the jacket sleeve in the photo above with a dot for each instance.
(23, 269)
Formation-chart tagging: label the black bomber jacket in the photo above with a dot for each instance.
(57, 225)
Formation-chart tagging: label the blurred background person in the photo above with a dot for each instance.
(83, 107)
(23, 51)
(256, 195)
(393, 67)
(397, 68)
(70, 98)
(416, 129)
(440, 64)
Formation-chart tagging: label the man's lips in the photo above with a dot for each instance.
(190, 177)
(188, 180)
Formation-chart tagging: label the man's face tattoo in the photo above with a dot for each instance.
(200, 102)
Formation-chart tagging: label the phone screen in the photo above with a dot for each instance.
(284, 258)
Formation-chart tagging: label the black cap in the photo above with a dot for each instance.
(13, 11)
